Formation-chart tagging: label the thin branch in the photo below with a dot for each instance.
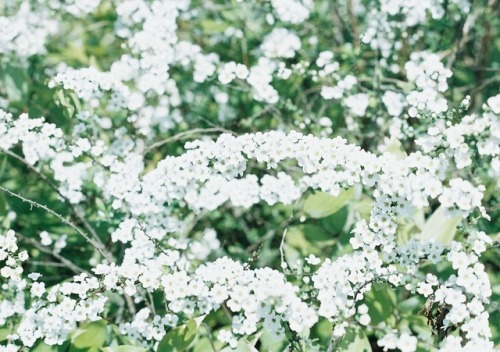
(338, 25)
(354, 23)
(60, 217)
(462, 40)
(67, 263)
(210, 338)
(72, 207)
(283, 237)
(185, 135)
(333, 342)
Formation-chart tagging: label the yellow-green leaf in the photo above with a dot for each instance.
(354, 340)
(243, 346)
(320, 205)
(179, 339)
(440, 226)
(41, 346)
(89, 338)
(123, 348)
(381, 301)
(396, 148)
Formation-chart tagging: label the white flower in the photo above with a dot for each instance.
(358, 103)
(37, 289)
(407, 343)
(331, 92)
(280, 43)
(293, 11)
(494, 103)
(394, 102)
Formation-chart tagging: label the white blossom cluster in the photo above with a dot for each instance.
(199, 170)
(293, 11)
(149, 210)
(399, 16)
(11, 268)
(74, 7)
(25, 32)
(280, 43)
(40, 140)
(90, 84)
(427, 71)
(484, 129)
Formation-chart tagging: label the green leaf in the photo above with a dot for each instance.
(440, 226)
(68, 102)
(243, 346)
(123, 348)
(315, 233)
(179, 338)
(292, 257)
(4, 332)
(213, 27)
(270, 343)
(43, 347)
(381, 301)
(410, 305)
(395, 148)
(3, 205)
(306, 237)
(363, 207)
(354, 340)
(320, 205)
(335, 223)
(15, 82)
(323, 330)
(204, 344)
(89, 338)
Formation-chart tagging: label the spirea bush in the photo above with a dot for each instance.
(249, 175)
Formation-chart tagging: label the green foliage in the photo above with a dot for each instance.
(14, 80)
(381, 301)
(320, 205)
(123, 348)
(440, 226)
(322, 226)
(43, 347)
(90, 337)
(178, 339)
(355, 340)
(242, 346)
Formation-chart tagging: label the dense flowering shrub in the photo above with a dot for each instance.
(249, 175)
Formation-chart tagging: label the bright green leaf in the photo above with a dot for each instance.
(90, 337)
(179, 338)
(395, 148)
(363, 207)
(269, 343)
(292, 256)
(354, 340)
(123, 348)
(320, 205)
(381, 301)
(440, 226)
(4, 332)
(243, 346)
(213, 27)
